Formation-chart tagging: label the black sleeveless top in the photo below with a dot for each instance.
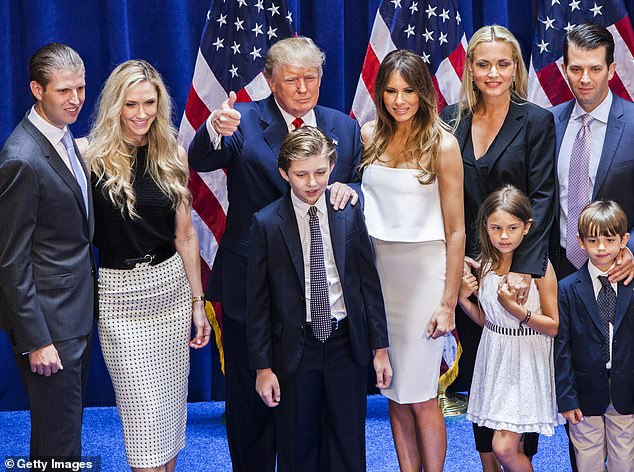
(121, 237)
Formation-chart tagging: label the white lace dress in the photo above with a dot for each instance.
(513, 386)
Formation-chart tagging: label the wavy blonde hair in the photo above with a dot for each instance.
(111, 154)
(469, 93)
(426, 137)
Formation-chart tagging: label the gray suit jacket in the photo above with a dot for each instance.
(47, 271)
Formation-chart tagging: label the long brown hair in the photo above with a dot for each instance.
(423, 144)
(510, 200)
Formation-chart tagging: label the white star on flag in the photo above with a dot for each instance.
(409, 30)
(543, 46)
(257, 30)
(596, 10)
(255, 53)
(218, 43)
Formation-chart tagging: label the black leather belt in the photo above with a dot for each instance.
(153, 257)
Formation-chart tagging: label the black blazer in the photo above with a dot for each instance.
(276, 303)
(615, 174)
(254, 181)
(522, 154)
(47, 282)
(581, 378)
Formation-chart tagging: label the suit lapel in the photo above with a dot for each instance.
(613, 135)
(290, 233)
(58, 165)
(273, 125)
(337, 223)
(512, 125)
(623, 298)
(561, 125)
(585, 291)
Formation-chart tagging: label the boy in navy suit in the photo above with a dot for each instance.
(315, 311)
(594, 350)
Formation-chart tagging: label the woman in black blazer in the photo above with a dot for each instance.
(503, 140)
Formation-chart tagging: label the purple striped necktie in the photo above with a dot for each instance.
(578, 189)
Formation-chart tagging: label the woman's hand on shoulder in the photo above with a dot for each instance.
(82, 145)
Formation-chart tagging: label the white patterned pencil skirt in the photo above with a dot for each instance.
(144, 328)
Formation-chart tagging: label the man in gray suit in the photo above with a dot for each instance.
(47, 272)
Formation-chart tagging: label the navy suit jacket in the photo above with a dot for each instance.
(47, 282)
(254, 181)
(522, 154)
(580, 375)
(275, 295)
(615, 175)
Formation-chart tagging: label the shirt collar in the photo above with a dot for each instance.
(309, 118)
(52, 133)
(600, 113)
(301, 208)
(595, 272)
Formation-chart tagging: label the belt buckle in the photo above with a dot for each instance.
(147, 260)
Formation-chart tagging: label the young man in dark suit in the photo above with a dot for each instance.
(245, 139)
(47, 288)
(608, 165)
(594, 350)
(315, 311)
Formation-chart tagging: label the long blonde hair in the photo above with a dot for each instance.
(111, 154)
(426, 137)
(469, 93)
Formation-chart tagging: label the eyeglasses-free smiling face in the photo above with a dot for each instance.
(61, 100)
(400, 99)
(493, 68)
(139, 111)
(588, 75)
(506, 231)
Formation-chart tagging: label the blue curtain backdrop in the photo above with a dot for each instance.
(167, 33)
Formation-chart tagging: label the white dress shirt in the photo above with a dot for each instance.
(335, 291)
(54, 136)
(596, 284)
(309, 119)
(598, 129)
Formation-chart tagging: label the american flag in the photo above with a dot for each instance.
(547, 85)
(434, 30)
(231, 55)
(431, 28)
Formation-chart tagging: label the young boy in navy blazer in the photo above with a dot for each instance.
(594, 350)
(315, 312)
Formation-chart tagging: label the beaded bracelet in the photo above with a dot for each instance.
(527, 319)
(200, 298)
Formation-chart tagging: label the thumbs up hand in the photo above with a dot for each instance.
(225, 120)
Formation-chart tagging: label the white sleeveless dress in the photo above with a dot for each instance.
(404, 220)
(513, 386)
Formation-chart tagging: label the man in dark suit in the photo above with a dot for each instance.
(245, 139)
(594, 350)
(47, 298)
(315, 310)
(605, 170)
(588, 67)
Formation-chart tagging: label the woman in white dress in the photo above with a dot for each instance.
(413, 187)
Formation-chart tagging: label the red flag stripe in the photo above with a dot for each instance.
(195, 110)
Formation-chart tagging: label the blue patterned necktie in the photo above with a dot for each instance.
(578, 189)
(78, 172)
(319, 299)
(606, 300)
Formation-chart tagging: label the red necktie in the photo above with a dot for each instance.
(297, 123)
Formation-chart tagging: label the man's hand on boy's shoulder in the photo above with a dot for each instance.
(623, 269)
(382, 368)
(340, 194)
(268, 387)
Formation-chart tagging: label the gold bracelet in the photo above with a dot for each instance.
(200, 298)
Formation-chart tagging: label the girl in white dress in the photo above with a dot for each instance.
(513, 389)
(412, 183)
